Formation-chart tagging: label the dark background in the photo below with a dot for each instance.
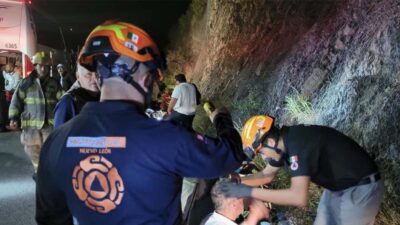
(76, 18)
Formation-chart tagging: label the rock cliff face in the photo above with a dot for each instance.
(338, 62)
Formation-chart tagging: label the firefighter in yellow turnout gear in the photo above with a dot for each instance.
(32, 106)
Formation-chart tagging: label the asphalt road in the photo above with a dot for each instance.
(17, 188)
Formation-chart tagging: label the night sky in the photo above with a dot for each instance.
(78, 17)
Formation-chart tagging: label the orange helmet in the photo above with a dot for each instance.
(119, 38)
(255, 129)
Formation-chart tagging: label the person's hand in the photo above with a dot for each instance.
(257, 212)
(235, 178)
(230, 189)
(13, 125)
(213, 114)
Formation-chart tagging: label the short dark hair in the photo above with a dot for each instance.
(180, 77)
(273, 133)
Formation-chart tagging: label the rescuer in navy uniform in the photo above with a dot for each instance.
(112, 164)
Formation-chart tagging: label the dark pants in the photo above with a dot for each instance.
(182, 119)
(199, 203)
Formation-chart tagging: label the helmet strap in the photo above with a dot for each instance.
(278, 163)
(146, 95)
(284, 157)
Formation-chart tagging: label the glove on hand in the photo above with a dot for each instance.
(230, 189)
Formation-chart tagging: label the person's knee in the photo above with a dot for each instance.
(32, 149)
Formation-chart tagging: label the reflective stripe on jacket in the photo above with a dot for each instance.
(32, 105)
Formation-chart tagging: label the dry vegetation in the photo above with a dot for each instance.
(343, 57)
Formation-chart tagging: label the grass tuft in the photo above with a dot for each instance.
(299, 109)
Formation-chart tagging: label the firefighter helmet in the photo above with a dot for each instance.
(40, 58)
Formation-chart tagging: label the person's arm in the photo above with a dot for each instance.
(171, 105)
(222, 120)
(16, 108)
(205, 157)
(51, 205)
(60, 92)
(263, 177)
(17, 80)
(174, 98)
(64, 111)
(296, 195)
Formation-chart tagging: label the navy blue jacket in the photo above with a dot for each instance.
(71, 104)
(64, 110)
(113, 165)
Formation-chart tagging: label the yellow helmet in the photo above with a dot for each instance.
(40, 58)
(255, 130)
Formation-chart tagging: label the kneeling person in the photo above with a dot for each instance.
(318, 154)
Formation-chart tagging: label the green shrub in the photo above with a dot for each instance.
(244, 108)
(299, 109)
(202, 123)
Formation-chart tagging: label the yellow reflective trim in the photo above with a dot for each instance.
(21, 94)
(59, 94)
(32, 123)
(13, 109)
(113, 27)
(13, 112)
(32, 101)
(51, 121)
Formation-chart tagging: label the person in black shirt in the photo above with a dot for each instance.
(322, 155)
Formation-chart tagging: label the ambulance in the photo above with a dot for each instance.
(17, 34)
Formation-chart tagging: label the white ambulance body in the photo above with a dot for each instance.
(17, 34)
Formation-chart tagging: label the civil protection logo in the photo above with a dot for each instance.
(110, 188)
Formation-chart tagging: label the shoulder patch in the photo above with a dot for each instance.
(96, 142)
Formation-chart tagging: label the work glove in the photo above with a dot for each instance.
(230, 189)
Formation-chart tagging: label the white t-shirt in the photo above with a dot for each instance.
(11, 80)
(218, 219)
(185, 94)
